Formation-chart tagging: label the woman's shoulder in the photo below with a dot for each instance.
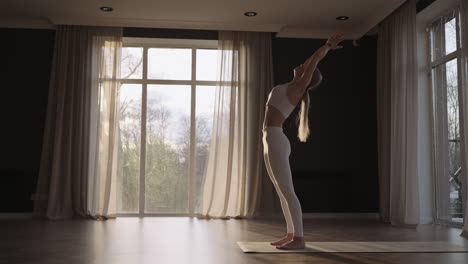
(290, 86)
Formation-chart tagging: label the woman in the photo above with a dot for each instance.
(281, 102)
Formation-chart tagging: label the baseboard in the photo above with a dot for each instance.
(360, 216)
(4, 216)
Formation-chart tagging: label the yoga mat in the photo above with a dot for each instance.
(353, 247)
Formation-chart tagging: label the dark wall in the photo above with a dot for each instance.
(336, 169)
(170, 33)
(24, 71)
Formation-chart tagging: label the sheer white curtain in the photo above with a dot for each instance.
(397, 117)
(104, 135)
(235, 171)
(464, 106)
(83, 80)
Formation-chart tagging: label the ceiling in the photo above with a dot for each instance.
(289, 18)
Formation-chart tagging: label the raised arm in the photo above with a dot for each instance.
(311, 63)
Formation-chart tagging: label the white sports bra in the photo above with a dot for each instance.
(278, 99)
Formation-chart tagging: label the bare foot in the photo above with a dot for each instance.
(295, 243)
(285, 239)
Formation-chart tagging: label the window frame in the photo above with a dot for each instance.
(455, 54)
(433, 64)
(146, 44)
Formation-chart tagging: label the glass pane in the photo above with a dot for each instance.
(128, 173)
(206, 64)
(167, 148)
(453, 126)
(450, 36)
(169, 64)
(131, 66)
(204, 122)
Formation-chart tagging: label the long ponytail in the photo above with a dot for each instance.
(303, 115)
(303, 118)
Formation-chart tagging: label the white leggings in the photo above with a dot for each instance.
(276, 150)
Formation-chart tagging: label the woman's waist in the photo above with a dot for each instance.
(273, 117)
(269, 130)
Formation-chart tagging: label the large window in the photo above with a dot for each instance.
(445, 68)
(166, 114)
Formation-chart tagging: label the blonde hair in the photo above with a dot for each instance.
(303, 115)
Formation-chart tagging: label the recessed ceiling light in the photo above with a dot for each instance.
(342, 18)
(106, 8)
(250, 14)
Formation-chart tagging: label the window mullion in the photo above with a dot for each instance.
(143, 134)
(445, 59)
(168, 82)
(191, 172)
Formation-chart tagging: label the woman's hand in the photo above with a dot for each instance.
(334, 40)
(310, 65)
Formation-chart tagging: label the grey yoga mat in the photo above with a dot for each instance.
(353, 247)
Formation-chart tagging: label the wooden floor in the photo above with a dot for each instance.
(189, 240)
